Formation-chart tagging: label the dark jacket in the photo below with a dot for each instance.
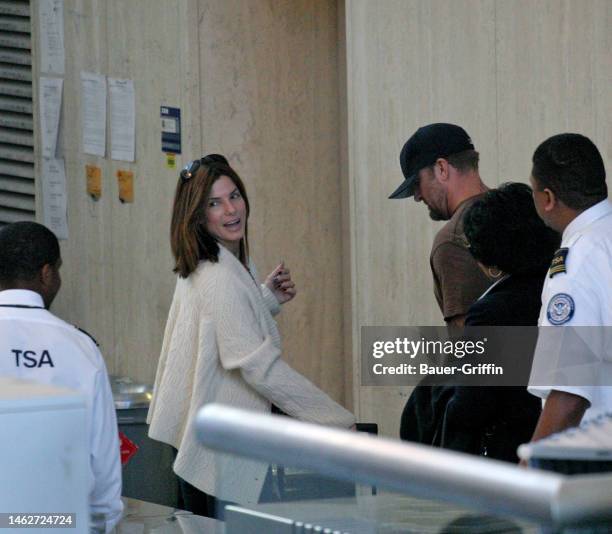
(492, 421)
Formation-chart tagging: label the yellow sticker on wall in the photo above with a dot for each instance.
(171, 160)
(125, 180)
(94, 181)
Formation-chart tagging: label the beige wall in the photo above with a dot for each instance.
(511, 72)
(117, 269)
(312, 101)
(269, 99)
(256, 80)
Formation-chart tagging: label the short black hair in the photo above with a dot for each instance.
(503, 230)
(572, 168)
(25, 248)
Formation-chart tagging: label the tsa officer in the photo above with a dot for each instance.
(570, 194)
(36, 345)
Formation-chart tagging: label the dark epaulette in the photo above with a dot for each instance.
(557, 265)
(87, 334)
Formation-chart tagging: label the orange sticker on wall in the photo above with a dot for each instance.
(94, 181)
(126, 186)
(171, 160)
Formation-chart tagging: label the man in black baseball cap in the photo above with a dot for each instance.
(429, 143)
(440, 168)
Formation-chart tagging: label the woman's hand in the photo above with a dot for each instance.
(280, 283)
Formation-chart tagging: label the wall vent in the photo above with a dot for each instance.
(17, 188)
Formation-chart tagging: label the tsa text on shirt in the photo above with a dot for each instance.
(30, 359)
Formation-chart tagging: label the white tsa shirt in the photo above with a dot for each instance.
(578, 293)
(36, 345)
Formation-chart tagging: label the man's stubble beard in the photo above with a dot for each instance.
(435, 215)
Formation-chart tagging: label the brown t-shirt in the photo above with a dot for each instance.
(458, 281)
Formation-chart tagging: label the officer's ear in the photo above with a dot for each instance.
(46, 274)
(549, 200)
(50, 282)
(49, 276)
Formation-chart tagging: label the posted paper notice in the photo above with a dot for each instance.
(54, 197)
(122, 119)
(93, 113)
(50, 97)
(51, 27)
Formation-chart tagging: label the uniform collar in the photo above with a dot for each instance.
(586, 218)
(22, 297)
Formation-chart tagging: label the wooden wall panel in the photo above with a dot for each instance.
(256, 80)
(554, 70)
(117, 279)
(511, 72)
(602, 79)
(259, 80)
(269, 99)
(533, 89)
(86, 297)
(151, 44)
(407, 67)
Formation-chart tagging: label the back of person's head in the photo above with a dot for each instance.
(504, 231)
(572, 168)
(189, 239)
(25, 248)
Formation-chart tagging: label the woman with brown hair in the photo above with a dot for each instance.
(221, 343)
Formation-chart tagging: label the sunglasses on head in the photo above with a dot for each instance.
(191, 168)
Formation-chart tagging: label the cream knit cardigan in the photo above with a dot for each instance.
(221, 344)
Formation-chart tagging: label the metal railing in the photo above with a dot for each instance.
(413, 469)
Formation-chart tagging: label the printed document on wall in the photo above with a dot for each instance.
(54, 197)
(93, 113)
(122, 119)
(50, 98)
(51, 29)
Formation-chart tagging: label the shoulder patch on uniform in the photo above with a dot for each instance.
(557, 265)
(87, 334)
(560, 309)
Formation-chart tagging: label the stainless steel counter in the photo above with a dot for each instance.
(488, 487)
(381, 514)
(394, 514)
(147, 518)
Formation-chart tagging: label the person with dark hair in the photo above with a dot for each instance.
(440, 167)
(507, 216)
(28, 250)
(571, 196)
(40, 347)
(221, 342)
(504, 233)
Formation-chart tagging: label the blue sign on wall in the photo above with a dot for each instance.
(171, 129)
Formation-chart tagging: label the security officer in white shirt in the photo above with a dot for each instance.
(571, 196)
(36, 345)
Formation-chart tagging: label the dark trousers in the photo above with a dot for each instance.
(193, 500)
(196, 501)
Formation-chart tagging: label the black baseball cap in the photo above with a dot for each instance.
(426, 145)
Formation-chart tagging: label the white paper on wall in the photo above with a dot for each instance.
(50, 98)
(51, 29)
(122, 119)
(55, 201)
(93, 113)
